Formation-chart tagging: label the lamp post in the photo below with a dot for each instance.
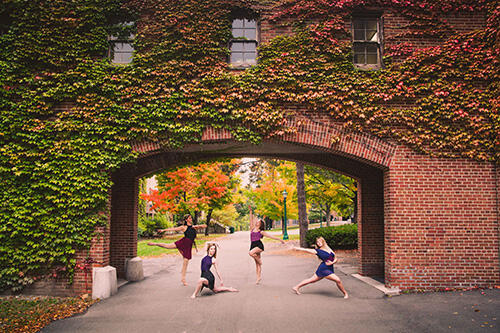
(285, 234)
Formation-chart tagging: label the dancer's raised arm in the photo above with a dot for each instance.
(266, 234)
(181, 228)
(304, 249)
(199, 226)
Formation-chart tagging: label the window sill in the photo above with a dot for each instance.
(368, 67)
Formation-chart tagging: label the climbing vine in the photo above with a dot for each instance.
(69, 117)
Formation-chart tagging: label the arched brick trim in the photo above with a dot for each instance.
(327, 136)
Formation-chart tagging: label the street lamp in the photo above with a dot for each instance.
(285, 234)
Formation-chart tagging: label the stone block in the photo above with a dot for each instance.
(104, 282)
(133, 269)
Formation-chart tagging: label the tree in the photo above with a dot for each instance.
(268, 196)
(301, 200)
(193, 189)
(331, 191)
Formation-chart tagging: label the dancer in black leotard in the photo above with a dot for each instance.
(185, 244)
(325, 269)
(207, 278)
(256, 245)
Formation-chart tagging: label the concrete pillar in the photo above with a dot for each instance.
(104, 282)
(133, 269)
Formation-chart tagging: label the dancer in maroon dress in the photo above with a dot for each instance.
(185, 244)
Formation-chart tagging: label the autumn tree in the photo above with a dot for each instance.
(193, 189)
(268, 195)
(331, 191)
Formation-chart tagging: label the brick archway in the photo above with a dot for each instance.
(416, 225)
(360, 156)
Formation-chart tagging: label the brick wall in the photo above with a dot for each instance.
(441, 222)
(423, 222)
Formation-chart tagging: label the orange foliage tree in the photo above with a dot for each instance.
(193, 189)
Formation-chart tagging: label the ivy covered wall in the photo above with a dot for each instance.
(69, 117)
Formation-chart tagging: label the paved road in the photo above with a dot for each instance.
(161, 304)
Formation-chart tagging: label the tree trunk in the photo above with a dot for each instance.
(196, 216)
(327, 214)
(355, 201)
(209, 217)
(301, 198)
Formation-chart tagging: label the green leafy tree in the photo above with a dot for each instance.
(330, 191)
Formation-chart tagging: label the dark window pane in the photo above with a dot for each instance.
(371, 35)
(371, 58)
(371, 25)
(359, 58)
(359, 35)
(237, 23)
(359, 48)
(370, 48)
(358, 25)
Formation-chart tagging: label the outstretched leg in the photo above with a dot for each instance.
(200, 284)
(336, 279)
(255, 254)
(312, 279)
(184, 269)
(221, 288)
(164, 245)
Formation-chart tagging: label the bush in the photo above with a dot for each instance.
(340, 237)
(148, 226)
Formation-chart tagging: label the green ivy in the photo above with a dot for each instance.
(55, 161)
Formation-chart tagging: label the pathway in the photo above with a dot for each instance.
(161, 304)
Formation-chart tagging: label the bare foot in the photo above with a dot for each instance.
(296, 290)
(233, 289)
(258, 281)
(193, 296)
(346, 296)
(183, 281)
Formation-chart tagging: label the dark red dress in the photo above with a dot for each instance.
(185, 244)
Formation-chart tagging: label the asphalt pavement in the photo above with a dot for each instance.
(160, 303)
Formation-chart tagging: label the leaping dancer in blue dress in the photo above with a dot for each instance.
(207, 279)
(325, 269)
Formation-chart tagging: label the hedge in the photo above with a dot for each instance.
(340, 237)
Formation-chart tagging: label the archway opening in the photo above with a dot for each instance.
(368, 176)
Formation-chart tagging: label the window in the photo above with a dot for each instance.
(366, 42)
(121, 49)
(244, 43)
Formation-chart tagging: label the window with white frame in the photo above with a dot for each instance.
(366, 42)
(244, 43)
(121, 49)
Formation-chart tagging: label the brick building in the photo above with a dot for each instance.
(424, 222)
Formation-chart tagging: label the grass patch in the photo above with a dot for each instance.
(31, 314)
(144, 250)
(312, 225)
(290, 237)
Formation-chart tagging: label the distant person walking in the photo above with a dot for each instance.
(207, 279)
(256, 245)
(185, 244)
(325, 269)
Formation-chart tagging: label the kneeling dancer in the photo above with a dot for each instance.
(325, 269)
(207, 278)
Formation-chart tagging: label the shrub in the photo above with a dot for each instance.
(340, 237)
(147, 226)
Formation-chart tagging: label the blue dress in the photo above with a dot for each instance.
(324, 269)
